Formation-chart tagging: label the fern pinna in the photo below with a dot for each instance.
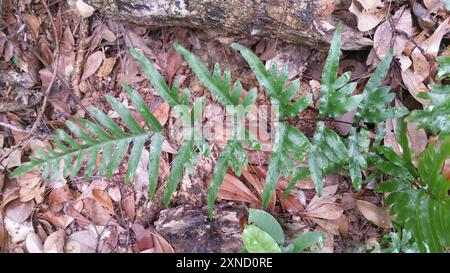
(104, 136)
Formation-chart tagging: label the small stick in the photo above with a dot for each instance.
(13, 127)
(54, 74)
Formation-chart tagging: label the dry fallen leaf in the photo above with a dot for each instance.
(128, 206)
(84, 9)
(84, 241)
(378, 216)
(19, 211)
(106, 68)
(33, 243)
(101, 197)
(370, 14)
(162, 113)
(92, 64)
(55, 242)
(233, 189)
(383, 35)
(32, 22)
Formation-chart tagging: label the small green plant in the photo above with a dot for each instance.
(418, 196)
(264, 234)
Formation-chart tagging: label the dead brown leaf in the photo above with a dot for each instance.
(162, 113)
(32, 22)
(55, 242)
(19, 211)
(369, 13)
(378, 216)
(128, 206)
(92, 64)
(402, 20)
(233, 189)
(103, 198)
(33, 243)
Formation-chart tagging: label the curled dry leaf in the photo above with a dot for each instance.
(128, 206)
(233, 189)
(162, 113)
(378, 216)
(84, 9)
(414, 77)
(103, 198)
(55, 242)
(58, 196)
(19, 211)
(32, 22)
(33, 243)
(84, 241)
(369, 13)
(402, 20)
(92, 64)
(107, 67)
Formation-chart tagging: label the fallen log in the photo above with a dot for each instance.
(306, 22)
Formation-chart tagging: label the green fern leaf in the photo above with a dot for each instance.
(186, 157)
(444, 67)
(358, 147)
(326, 154)
(373, 106)
(425, 212)
(169, 95)
(289, 142)
(435, 117)
(335, 93)
(106, 137)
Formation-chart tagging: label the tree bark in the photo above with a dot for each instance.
(295, 21)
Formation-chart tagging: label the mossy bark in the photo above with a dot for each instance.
(296, 21)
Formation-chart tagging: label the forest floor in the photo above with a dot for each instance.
(91, 57)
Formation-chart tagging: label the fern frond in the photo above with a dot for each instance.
(444, 67)
(375, 99)
(336, 93)
(425, 212)
(358, 147)
(171, 96)
(186, 157)
(106, 137)
(326, 154)
(289, 143)
(435, 117)
(274, 82)
(219, 84)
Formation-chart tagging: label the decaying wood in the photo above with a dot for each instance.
(296, 21)
(188, 229)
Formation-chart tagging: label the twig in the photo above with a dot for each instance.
(13, 127)
(281, 23)
(52, 80)
(84, 26)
